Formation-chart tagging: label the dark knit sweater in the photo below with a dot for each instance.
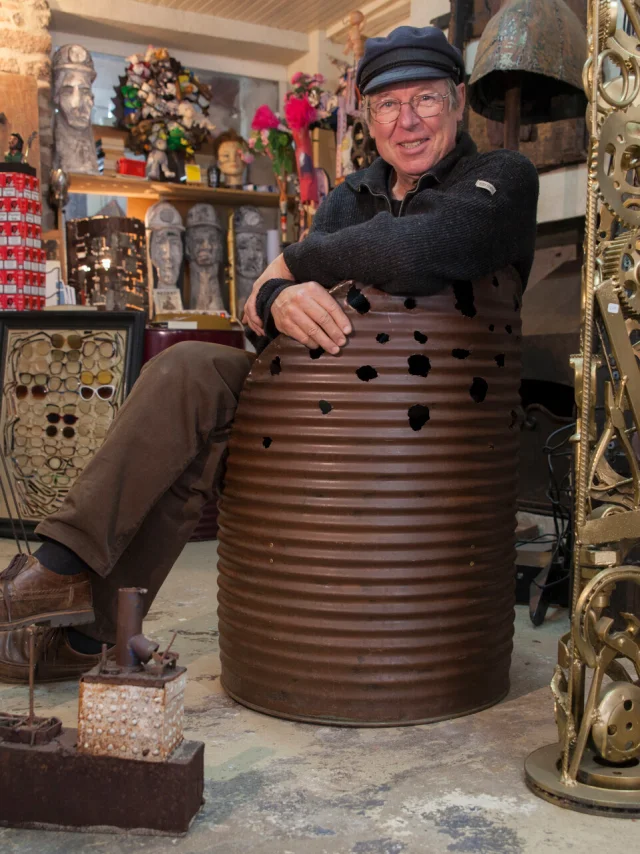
(470, 215)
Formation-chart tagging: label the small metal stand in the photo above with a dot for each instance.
(127, 768)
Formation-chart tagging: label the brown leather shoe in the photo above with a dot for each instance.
(30, 593)
(55, 659)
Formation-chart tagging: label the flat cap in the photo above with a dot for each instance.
(406, 54)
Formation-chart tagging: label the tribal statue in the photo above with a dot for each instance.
(595, 768)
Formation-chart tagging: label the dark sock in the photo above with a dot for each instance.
(60, 559)
(83, 643)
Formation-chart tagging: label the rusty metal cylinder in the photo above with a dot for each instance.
(130, 616)
(368, 517)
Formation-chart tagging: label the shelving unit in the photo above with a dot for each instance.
(152, 191)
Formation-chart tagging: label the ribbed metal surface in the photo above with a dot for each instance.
(366, 567)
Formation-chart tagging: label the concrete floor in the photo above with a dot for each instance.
(275, 787)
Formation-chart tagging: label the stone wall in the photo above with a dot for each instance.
(25, 48)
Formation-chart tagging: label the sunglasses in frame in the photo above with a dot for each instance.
(104, 392)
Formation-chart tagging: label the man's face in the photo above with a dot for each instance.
(250, 255)
(204, 245)
(14, 145)
(411, 144)
(75, 99)
(166, 255)
(230, 159)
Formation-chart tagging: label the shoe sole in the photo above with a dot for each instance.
(56, 619)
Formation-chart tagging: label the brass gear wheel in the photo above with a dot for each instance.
(621, 263)
(621, 146)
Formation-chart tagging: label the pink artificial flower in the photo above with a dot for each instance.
(264, 136)
(299, 113)
(252, 142)
(264, 119)
(297, 78)
(247, 157)
(318, 78)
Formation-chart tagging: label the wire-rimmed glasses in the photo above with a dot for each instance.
(424, 105)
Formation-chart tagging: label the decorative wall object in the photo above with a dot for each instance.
(64, 376)
(205, 253)
(232, 154)
(250, 252)
(107, 262)
(159, 99)
(165, 228)
(73, 75)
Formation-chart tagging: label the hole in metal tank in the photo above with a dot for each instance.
(419, 365)
(356, 299)
(418, 416)
(478, 390)
(366, 373)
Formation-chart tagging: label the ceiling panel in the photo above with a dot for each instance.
(301, 15)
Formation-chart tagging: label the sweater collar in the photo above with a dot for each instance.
(375, 178)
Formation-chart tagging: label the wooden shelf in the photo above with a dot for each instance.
(140, 188)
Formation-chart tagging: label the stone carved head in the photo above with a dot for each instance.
(166, 250)
(73, 74)
(251, 242)
(204, 243)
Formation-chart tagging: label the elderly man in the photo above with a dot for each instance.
(430, 211)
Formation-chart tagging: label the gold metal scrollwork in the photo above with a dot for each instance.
(596, 696)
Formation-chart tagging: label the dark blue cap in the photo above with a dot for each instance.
(406, 54)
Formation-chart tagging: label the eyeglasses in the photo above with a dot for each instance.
(39, 379)
(104, 391)
(54, 418)
(426, 105)
(67, 432)
(39, 392)
(58, 340)
(102, 377)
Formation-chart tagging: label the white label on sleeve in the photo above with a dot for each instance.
(485, 185)
(613, 308)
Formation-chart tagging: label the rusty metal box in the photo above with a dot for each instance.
(132, 715)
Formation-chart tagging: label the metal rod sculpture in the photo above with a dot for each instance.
(596, 768)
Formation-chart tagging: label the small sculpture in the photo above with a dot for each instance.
(158, 162)
(14, 154)
(204, 253)
(355, 39)
(165, 247)
(230, 149)
(73, 74)
(251, 252)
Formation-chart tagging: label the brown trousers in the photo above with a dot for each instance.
(138, 501)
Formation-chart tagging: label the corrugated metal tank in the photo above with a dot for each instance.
(368, 517)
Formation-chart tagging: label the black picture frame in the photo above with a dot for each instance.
(70, 320)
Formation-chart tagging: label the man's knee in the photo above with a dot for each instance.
(195, 359)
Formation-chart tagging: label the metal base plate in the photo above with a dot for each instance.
(53, 787)
(542, 775)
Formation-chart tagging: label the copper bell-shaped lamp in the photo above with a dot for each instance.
(528, 66)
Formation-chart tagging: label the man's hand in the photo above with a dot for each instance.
(277, 269)
(310, 314)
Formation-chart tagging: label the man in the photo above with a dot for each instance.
(428, 212)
